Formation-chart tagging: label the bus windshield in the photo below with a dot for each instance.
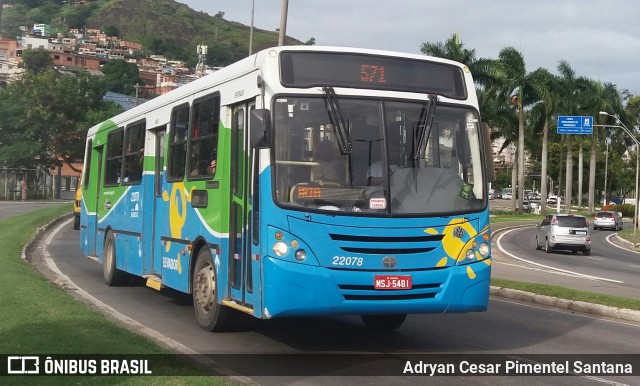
(383, 157)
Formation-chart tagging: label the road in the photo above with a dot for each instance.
(610, 269)
(508, 327)
(14, 208)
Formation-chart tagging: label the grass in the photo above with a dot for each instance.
(627, 233)
(40, 318)
(569, 294)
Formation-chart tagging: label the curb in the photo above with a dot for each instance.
(565, 304)
(569, 305)
(39, 232)
(628, 244)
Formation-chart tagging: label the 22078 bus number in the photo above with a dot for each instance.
(348, 261)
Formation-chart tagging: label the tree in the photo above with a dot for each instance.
(36, 60)
(45, 117)
(483, 70)
(121, 76)
(601, 97)
(512, 77)
(544, 84)
(111, 30)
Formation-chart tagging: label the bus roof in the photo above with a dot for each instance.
(238, 69)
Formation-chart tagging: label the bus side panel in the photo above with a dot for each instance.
(124, 218)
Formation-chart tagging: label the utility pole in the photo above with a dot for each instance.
(137, 87)
(283, 22)
(253, 4)
(202, 56)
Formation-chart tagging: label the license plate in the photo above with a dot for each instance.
(392, 282)
(582, 233)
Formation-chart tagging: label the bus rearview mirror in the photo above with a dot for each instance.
(260, 123)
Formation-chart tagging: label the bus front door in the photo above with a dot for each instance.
(154, 264)
(95, 241)
(239, 257)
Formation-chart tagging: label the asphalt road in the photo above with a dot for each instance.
(610, 269)
(15, 208)
(508, 327)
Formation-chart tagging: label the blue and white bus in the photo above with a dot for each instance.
(301, 180)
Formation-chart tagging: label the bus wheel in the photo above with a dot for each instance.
(211, 315)
(112, 275)
(383, 322)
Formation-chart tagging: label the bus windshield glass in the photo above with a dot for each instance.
(397, 162)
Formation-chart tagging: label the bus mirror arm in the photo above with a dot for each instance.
(260, 123)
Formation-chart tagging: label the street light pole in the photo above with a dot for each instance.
(633, 137)
(606, 167)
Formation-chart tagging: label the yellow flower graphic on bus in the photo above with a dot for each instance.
(454, 245)
(177, 210)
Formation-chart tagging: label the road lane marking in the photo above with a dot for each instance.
(608, 238)
(577, 274)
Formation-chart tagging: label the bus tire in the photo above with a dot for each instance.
(112, 275)
(383, 322)
(211, 315)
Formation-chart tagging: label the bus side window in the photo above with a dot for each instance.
(204, 138)
(178, 143)
(134, 154)
(113, 163)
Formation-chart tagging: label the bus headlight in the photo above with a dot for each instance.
(470, 255)
(280, 248)
(483, 249)
(301, 255)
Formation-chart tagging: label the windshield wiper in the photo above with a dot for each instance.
(343, 136)
(423, 129)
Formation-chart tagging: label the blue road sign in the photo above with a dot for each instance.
(575, 125)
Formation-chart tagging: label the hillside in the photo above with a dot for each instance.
(162, 26)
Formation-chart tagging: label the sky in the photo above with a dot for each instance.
(599, 39)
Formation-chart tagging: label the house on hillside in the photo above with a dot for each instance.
(9, 60)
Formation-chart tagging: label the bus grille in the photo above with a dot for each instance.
(385, 245)
(367, 292)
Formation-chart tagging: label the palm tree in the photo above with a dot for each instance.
(512, 79)
(483, 70)
(570, 88)
(545, 85)
(601, 97)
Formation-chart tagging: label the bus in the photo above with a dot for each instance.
(300, 181)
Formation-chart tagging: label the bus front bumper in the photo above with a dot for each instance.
(293, 289)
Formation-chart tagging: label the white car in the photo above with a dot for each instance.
(607, 219)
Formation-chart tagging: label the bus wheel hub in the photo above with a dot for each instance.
(204, 287)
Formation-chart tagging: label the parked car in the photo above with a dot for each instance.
(534, 205)
(552, 199)
(564, 231)
(607, 219)
(506, 196)
(526, 206)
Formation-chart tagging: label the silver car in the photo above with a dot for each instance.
(607, 219)
(564, 231)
